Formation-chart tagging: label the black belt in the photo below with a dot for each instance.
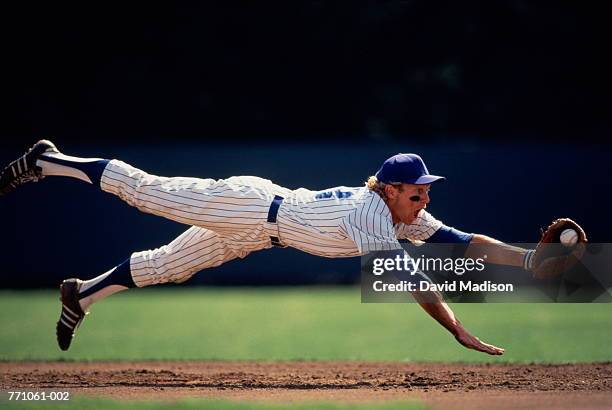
(272, 213)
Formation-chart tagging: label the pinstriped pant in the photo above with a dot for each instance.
(228, 219)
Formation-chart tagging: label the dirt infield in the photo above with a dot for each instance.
(439, 385)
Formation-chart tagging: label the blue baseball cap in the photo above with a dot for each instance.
(406, 169)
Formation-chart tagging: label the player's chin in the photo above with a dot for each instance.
(411, 217)
(408, 219)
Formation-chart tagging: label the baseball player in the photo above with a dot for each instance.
(230, 218)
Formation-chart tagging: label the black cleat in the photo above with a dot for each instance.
(24, 168)
(72, 315)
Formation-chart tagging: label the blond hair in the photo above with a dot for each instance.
(374, 185)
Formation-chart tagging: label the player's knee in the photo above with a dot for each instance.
(182, 277)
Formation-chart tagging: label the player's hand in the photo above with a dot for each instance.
(472, 342)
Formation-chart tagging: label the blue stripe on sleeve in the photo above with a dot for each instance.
(448, 234)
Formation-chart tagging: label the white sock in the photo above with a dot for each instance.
(99, 294)
(54, 169)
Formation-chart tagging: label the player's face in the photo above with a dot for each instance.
(406, 201)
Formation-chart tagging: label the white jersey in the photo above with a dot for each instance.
(342, 222)
(229, 219)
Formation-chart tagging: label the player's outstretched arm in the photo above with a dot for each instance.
(435, 306)
(545, 261)
(497, 252)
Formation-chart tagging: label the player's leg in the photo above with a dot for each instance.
(216, 205)
(192, 251)
(226, 206)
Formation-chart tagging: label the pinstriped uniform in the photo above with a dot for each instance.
(421, 229)
(229, 219)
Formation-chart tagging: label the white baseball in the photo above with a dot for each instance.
(569, 237)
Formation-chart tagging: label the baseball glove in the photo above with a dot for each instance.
(550, 257)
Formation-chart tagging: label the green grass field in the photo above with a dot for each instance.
(195, 404)
(296, 324)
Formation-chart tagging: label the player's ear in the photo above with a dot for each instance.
(390, 191)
